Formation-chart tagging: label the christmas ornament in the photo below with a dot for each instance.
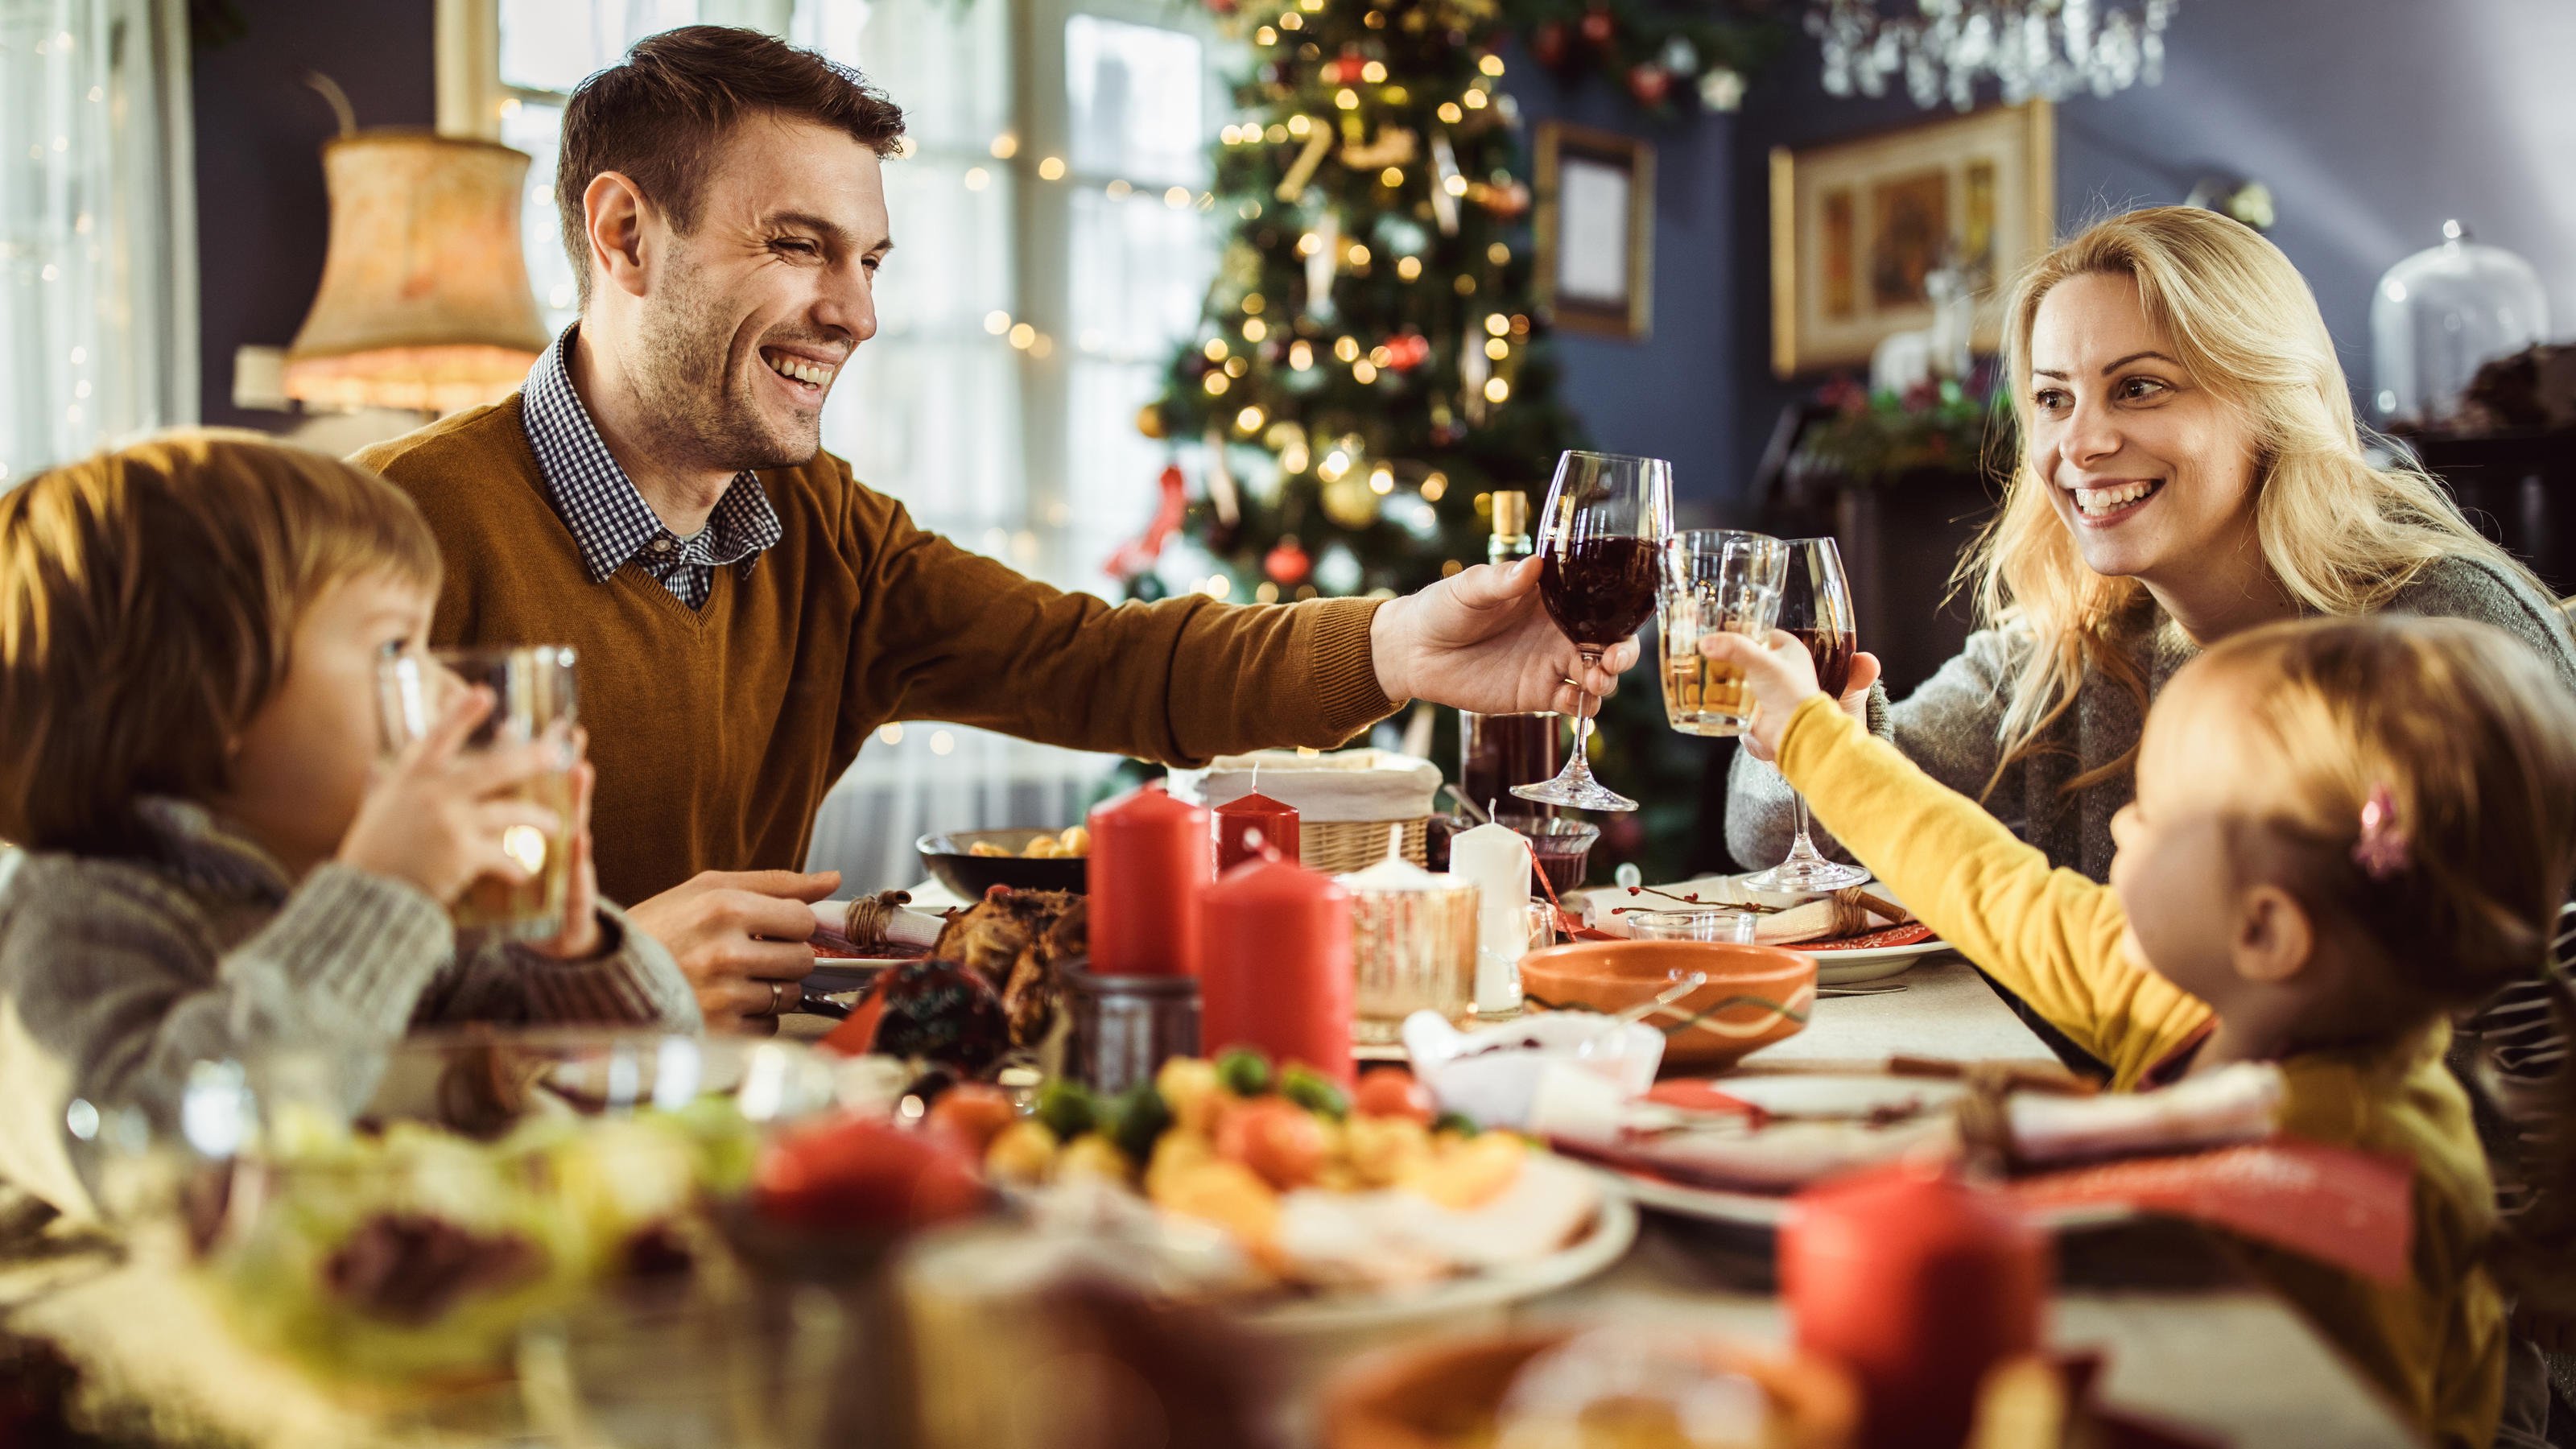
(1597, 26)
(1287, 563)
(1137, 555)
(1149, 421)
(1321, 263)
(1507, 202)
(1650, 84)
(1549, 45)
(1339, 570)
(1394, 146)
(1302, 170)
(1721, 89)
(1444, 200)
(1407, 351)
(1223, 495)
(1346, 70)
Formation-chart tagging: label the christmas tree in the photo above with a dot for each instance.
(1372, 364)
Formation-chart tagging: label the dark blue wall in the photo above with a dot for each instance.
(262, 216)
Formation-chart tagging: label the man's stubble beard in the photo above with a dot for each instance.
(690, 394)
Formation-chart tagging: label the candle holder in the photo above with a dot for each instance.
(1125, 1027)
(1412, 949)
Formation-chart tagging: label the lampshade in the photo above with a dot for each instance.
(425, 300)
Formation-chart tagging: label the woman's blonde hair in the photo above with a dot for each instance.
(2339, 534)
(148, 597)
(2463, 736)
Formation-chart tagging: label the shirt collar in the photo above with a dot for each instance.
(609, 520)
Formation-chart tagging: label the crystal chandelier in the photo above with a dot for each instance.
(1944, 48)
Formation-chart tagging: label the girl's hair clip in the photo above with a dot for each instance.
(2383, 849)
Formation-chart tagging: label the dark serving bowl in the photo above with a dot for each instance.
(972, 875)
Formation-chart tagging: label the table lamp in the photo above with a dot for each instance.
(424, 302)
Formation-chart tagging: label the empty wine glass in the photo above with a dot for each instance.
(1601, 557)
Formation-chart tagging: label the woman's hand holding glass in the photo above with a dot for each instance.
(438, 814)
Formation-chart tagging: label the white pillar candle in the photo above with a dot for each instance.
(1497, 860)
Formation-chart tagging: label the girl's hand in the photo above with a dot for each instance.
(435, 816)
(580, 938)
(1778, 674)
(1855, 702)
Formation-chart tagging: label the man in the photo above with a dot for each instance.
(745, 611)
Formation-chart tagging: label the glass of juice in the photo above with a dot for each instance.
(532, 693)
(1720, 580)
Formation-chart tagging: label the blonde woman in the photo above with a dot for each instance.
(2190, 468)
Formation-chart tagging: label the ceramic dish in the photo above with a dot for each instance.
(1848, 968)
(1754, 995)
(1490, 1074)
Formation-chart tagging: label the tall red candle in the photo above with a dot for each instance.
(1919, 1284)
(1238, 819)
(1149, 861)
(1275, 943)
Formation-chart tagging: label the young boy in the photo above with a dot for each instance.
(219, 860)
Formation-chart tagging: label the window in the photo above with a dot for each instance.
(1053, 244)
(98, 258)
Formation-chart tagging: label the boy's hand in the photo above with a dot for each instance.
(1778, 674)
(1855, 702)
(580, 938)
(436, 815)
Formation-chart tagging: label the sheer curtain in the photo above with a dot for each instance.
(98, 256)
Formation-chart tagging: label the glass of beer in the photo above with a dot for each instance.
(1717, 580)
(532, 693)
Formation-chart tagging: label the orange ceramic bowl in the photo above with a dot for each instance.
(1444, 1394)
(1754, 995)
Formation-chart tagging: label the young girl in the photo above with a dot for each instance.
(189, 751)
(2343, 831)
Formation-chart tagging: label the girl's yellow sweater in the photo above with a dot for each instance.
(2435, 1342)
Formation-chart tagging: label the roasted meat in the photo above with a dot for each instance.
(1020, 941)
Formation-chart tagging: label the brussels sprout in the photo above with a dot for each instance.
(1315, 1092)
(1244, 1072)
(1068, 1109)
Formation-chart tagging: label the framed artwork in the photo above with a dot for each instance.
(1856, 227)
(1596, 230)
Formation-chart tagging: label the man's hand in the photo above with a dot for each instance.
(1855, 702)
(1480, 640)
(735, 934)
(1777, 673)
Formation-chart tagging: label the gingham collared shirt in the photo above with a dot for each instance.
(611, 523)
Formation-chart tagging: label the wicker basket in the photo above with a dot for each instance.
(1337, 847)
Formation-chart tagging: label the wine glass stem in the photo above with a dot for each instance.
(1802, 846)
(1580, 767)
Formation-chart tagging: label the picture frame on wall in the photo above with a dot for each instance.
(1858, 225)
(1596, 230)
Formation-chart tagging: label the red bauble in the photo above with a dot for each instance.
(1650, 83)
(1598, 26)
(1548, 44)
(1287, 564)
(1347, 70)
(1220, 7)
(1408, 351)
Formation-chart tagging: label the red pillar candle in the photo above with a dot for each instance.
(1275, 940)
(1149, 861)
(1236, 822)
(1919, 1284)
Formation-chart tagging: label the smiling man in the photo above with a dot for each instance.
(747, 612)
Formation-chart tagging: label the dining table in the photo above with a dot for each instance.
(2187, 1337)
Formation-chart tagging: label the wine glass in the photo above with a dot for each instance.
(1816, 608)
(1601, 556)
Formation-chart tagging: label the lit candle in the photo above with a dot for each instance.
(1252, 825)
(1275, 947)
(1496, 861)
(1149, 861)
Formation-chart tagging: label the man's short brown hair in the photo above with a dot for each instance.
(658, 115)
(148, 598)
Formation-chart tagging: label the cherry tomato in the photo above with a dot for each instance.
(974, 1113)
(1278, 1140)
(1392, 1092)
(861, 1172)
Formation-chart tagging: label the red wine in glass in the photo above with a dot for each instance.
(1601, 542)
(1832, 649)
(1599, 590)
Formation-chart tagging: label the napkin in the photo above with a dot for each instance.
(1347, 785)
(1844, 913)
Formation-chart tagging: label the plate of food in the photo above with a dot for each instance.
(1307, 1209)
(1871, 955)
(971, 862)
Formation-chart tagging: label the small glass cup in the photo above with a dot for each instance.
(532, 692)
(1694, 923)
(1563, 846)
(1718, 580)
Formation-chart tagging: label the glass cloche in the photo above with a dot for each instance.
(2440, 314)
